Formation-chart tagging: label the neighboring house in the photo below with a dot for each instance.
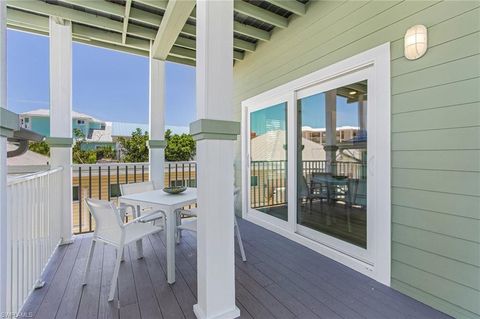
(110, 134)
(98, 133)
(39, 122)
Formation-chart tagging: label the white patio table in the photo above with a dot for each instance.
(168, 203)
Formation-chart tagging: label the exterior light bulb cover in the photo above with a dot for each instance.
(415, 42)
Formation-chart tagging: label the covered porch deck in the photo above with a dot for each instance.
(281, 279)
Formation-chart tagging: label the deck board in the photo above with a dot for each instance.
(281, 279)
(73, 293)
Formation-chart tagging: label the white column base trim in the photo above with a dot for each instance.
(234, 313)
(66, 241)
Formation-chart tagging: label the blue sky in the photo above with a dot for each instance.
(109, 85)
(313, 114)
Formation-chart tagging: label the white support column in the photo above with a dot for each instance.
(60, 139)
(3, 162)
(215, 135)
(331, 128)
(156, 122)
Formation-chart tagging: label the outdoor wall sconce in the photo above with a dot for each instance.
(415, 42)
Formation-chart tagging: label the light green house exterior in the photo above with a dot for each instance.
(435, 129)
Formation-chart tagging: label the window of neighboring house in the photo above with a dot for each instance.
(75, 193)
(27, 120)
(115, 190)
(80, 122)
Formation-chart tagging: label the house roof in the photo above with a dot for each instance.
(46, 113)
(126, 129)
(271, 147)
(130, 26)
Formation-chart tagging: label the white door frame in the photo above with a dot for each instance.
(376, 64)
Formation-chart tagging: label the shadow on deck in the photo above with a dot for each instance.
(281, 279)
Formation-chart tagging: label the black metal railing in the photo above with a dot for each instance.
(268, 179)
(102, 181)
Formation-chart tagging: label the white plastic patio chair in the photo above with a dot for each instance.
(190, 224)
(110, 229)
(134, 188)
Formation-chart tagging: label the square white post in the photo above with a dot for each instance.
(60, 139)
(215, 135)
(156, 122)
(3, 161)
(331, 129)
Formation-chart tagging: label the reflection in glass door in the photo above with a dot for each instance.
(268, 161)
(332, 161)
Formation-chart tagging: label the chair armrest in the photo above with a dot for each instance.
(139, 219)
(123, 209)
(187, 212)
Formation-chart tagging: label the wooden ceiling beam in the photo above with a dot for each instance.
(173, 21)
(260, 14)
(126, 18)
(296, 7)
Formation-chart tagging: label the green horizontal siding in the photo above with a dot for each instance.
(435, 129)
(441, 266)
(450, 94)
(454, 182)
(457, 70)
(446, 224)
(452, 160)
(446, 139)
(454, 248)
(446, 203)
(464, 115)
(445, 289)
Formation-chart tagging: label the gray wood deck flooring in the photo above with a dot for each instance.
(281, 279)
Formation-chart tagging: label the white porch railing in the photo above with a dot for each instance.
(34, 219)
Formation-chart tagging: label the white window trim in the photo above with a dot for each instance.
(378, 59)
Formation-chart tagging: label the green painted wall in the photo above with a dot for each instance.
(41, 125)
(435, 129)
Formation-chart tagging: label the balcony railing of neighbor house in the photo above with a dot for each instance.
(102, 181)
(34, 219)
(269, 178)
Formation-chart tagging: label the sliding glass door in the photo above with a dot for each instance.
(268, 161)
(317, 163)
(331, 163)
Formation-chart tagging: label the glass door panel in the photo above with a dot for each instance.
(268, 161)
(332, 162)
